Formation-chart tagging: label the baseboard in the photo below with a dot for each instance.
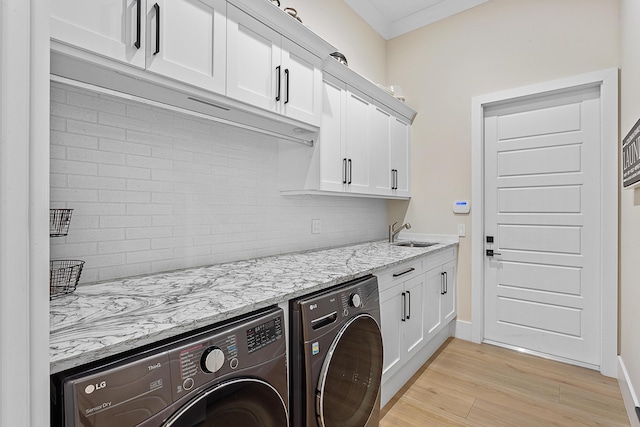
(463, 330)
(628, 394)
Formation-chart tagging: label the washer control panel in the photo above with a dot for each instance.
(327, 309)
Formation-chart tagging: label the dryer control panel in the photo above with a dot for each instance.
(128, 391)
(224, 354)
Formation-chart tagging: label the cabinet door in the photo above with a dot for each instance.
(187, 41)
(449, 297)
(357, 143)
(301, 84)
(381, 176)
(331, 138)
(414, 332)
(391, 318)
(111, 28)
(254, 73)
(401, 157)
(434, 289)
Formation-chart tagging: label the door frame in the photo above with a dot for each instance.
(608, 81)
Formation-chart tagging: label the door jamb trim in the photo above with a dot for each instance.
(608, 81)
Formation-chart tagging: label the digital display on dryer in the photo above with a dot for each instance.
(262, 335)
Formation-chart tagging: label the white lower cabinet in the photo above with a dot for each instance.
(401, 312)
(417, 304)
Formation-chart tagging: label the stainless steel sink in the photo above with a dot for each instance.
(413, 244)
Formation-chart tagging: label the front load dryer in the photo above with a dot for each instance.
(232, 374)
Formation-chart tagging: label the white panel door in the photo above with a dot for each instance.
(433, 308)
(414, 327)
(254, 72)
(302, 84)
(401, 157)
(333, 159)
(187, 41)
(112, 28)
(380, 142)
(392, 321)
(448, 306)
(357, 143)
(542, 207)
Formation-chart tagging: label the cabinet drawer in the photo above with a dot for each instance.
(399, 273)
(441, 257)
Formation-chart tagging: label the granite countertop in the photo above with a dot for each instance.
(103, 319)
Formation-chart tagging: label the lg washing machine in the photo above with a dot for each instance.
(336, 356)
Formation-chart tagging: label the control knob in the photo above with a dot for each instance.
(212, 360)
(355, 300)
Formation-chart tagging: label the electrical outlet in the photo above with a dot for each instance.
(316, 226)
(462, 230)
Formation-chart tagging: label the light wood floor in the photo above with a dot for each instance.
(467, 384)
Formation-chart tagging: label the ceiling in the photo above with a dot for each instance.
(397, 17)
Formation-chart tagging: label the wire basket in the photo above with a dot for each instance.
(64, 276)
(59, 220)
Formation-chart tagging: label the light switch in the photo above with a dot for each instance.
(316, 226)
(462, 230)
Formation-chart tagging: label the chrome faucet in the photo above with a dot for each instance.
(393, 232)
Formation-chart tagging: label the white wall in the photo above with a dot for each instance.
(154, 190)
(630, 199)
(498, 45)
(337, 23)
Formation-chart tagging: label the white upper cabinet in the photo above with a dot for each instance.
(302, 83)
(400, 157)
(184, 40)
(187, 41)
(115, 29)
(253, 61)
(269, 71)
(381, 173)
(330, 148)
(363, 148)
(357, 143)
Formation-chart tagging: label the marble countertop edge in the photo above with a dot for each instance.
(107, 318)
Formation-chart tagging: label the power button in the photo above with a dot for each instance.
(188, 384)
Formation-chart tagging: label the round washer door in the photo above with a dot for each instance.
(351, 375)
(241, 402)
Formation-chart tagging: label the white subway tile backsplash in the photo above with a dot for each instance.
(95, 156)
(72, 112)
(124, 147)
(121, 246)
(150, 255)
(155, 190)
(91, 101)
(92, 129)
(97, 182)
(148, 232)
(93, 234)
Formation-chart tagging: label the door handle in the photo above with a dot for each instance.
(286, 76)
(157, 8)
(404, 272)
(350, 171)
(409, 298)
(446, 283)
(441, 283)
(344, 171)
(278, 83)
(139, 12)
(404, 307)
(490, 252)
